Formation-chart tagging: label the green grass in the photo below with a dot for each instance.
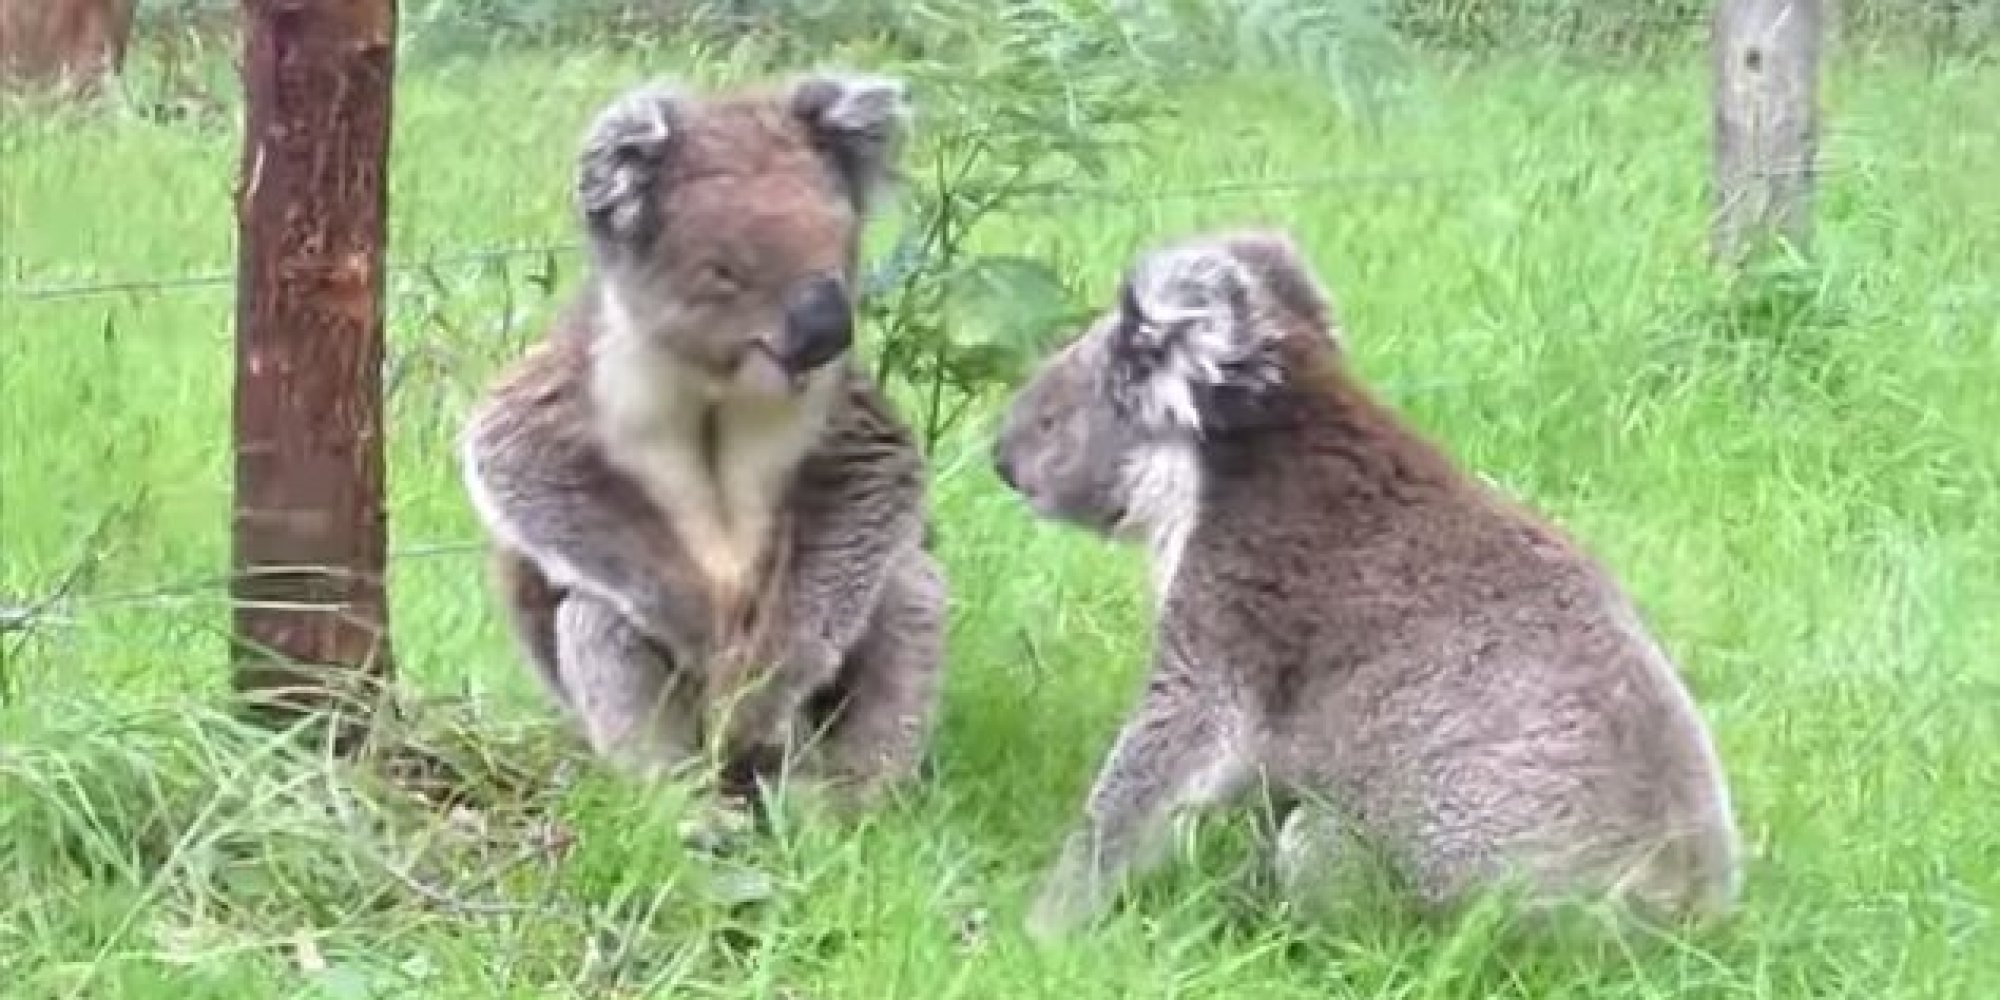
(1801, 486)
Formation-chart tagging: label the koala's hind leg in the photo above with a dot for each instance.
(634, 707)
(531, 602)
(890, 688)
(1304, 848)
(1181, 750)
(1323, 866)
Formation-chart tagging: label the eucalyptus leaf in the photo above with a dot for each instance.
(1026, 101)
(1010, 301)
(903, 262)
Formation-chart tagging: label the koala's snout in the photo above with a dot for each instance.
(819, 324)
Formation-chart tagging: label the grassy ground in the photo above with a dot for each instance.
(1800, 487)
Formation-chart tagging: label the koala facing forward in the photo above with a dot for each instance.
(1344, 618)
(708, 526)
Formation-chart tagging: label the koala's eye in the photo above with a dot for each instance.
(721, 278)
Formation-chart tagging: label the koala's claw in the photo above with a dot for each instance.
(1056, 914)
(717, 827)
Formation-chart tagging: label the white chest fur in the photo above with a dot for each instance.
(716, 465)
(1163, 500)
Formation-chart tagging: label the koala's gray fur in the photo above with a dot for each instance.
(1348, 620)
(708, 525)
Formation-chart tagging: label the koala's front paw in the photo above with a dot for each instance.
(843, 794)
(1077, 889)
(1071, 896)
(764, 710)
(745, 770)
(1058, 911)
(717, 827)
(675, 623)
(810, 662)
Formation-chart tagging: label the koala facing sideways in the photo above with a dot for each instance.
(708, 527)
(1401, 656)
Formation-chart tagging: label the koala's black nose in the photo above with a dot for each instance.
(819, 324)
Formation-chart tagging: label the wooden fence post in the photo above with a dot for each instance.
(1766, 98)
(310, 531)
(67, 45)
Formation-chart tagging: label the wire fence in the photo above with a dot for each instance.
(500, 23)
(485, 256)
(1431, 180)
(227, 279)
(70, 598)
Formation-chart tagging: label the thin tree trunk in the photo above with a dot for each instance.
(310, 529)
(63, 44)
(1766, 97)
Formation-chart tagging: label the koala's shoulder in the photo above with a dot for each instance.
(865, 445)
(536, 410)
(864, 421)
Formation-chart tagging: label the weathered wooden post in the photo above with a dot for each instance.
(310, 530)
(63, 44)
(1766, 97)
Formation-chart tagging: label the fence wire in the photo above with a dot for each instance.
(1440, 179)
(221, 279)
(69, 600)
(1105, 195)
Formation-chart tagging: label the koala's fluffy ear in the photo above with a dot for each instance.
(859, 123)
(1192, 349)
(624, 153)
(1278, 266)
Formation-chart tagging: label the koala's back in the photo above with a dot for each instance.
(1456, 674)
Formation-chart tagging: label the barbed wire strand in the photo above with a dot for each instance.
(1103, 194)
(1435, 179)
(216, 279)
